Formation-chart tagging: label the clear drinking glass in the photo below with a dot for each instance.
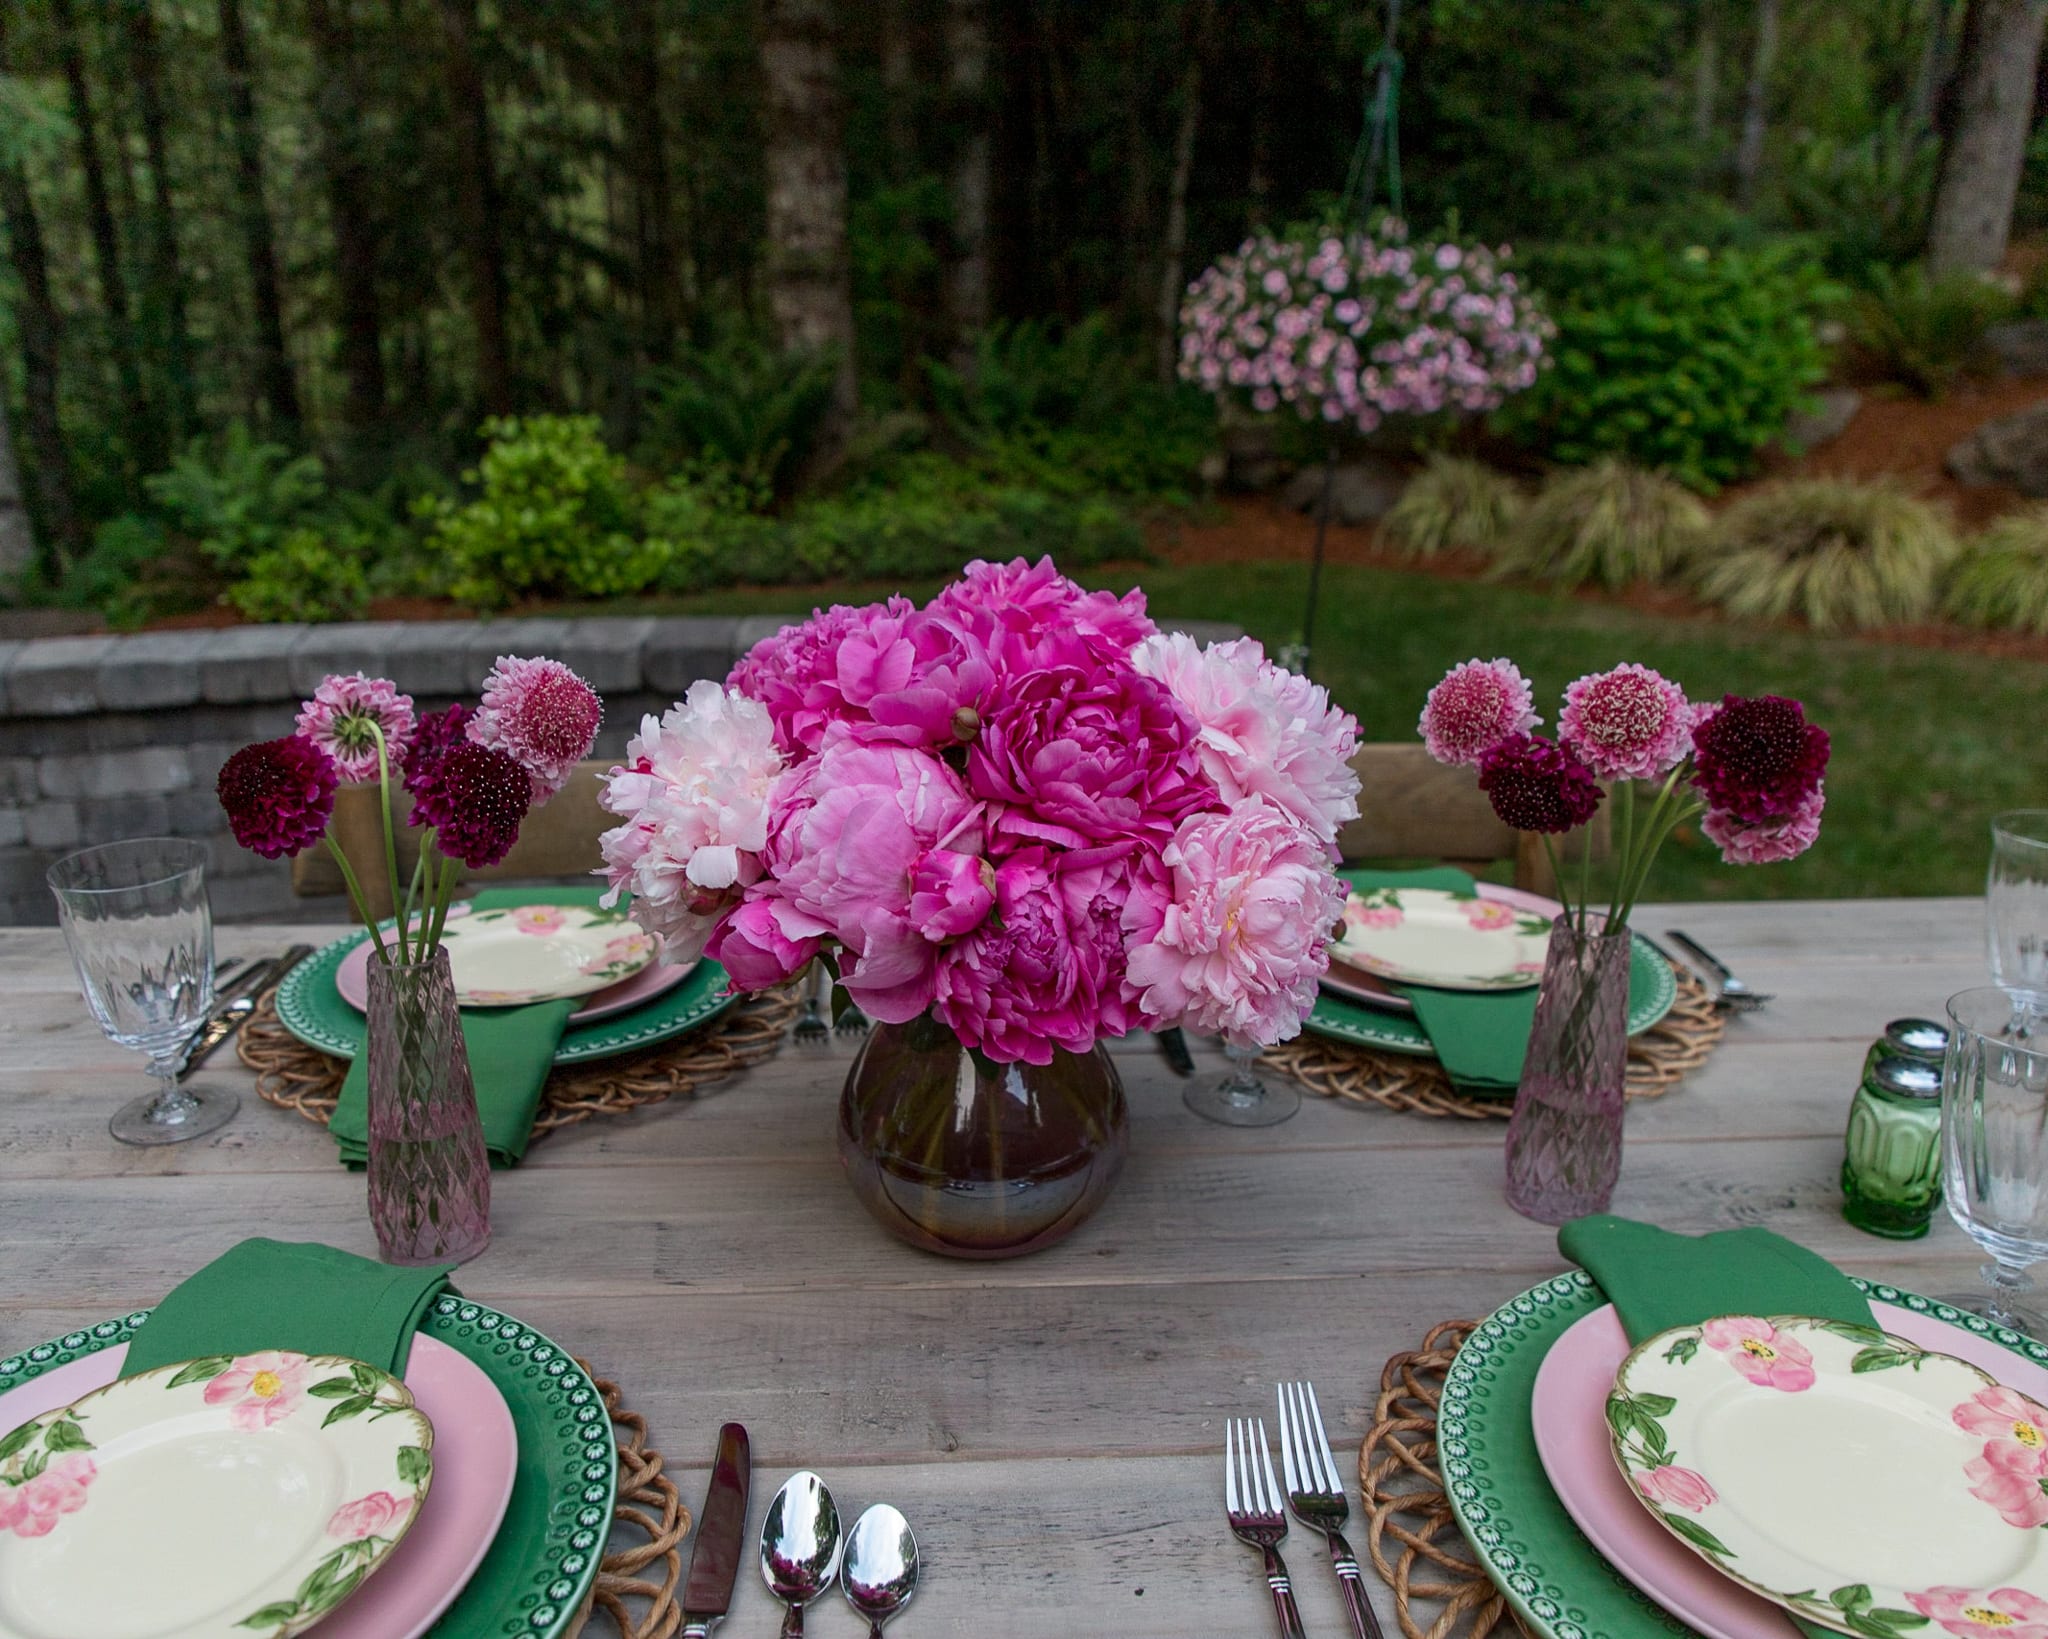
(1994, 1141)
(2016, 900)
(1238, 1098)
(141, 936)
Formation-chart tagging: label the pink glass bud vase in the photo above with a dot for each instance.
(1564, 1140)
(430, 1177)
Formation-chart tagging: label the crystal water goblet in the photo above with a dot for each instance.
(136, 917)
(1994, 1142)
(2016, 900)
(1238, 1098)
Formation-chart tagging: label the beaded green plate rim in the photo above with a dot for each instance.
(1559, 1583)
(546, 1556)
(311, 1008)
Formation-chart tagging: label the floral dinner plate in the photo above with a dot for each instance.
(541, 953)
(215, 1499)
(1425, 936)
(1845, 1473)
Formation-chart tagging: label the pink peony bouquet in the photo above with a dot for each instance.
(473, 774)
(1753, 771)
(1022, 809)
(1355, 328)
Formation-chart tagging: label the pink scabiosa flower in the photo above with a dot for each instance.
(1536, 784)
(278, 794)
(1672, 1487)
(1626, 724)
(1768, 841)
(260, 1389)
(371, 1516)
(348, 713)
(474, 800)
(1979, 1613)
(540, 714)
(1757, 760)
(1760, 1352)
(1240, 946)
(1475, 707)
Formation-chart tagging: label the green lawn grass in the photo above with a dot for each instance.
(1928, 744)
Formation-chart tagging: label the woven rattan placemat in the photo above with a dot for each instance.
(1674, 1047)
(296, 1077)
(635, 1591)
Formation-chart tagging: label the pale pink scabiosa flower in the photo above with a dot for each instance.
(540, 714)
(1475, 707)
(1671, 1487)
(694, 793)
(1768, 841)
(33, 1508)
(1238, 950)
(260, 1389)
(1978, 1613)
(345, 717)
(1261, 730)
(1760, 1352)
(1627, 724)
(371, 1516)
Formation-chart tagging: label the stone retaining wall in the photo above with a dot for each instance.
(105, 737)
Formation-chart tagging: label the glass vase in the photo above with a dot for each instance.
(973, 1159)
(1564, 1140)
(430, 1178)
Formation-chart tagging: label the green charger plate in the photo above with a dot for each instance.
(1557, 1581)
(311, 1008)
(547, 1550)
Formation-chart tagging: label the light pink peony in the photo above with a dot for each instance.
(1627, 724)
(2008, 1476)
(540, 714)
(1246, 937)
(1974, 1613)
(1261, 730)
(371, 1516)
(1761, 1353)
(2000, 1413)
(1476, 706)
(1671, 1487)
(695, 795)
(260, 1389)
(345, 716)
(1769, 841)
(33, 1508)
(950, 894)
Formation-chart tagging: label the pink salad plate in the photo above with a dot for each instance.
(352, 979)
(1369, 988)
(476, 1459)
(1569, 1411)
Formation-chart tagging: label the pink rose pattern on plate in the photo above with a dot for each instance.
(1674, 1487)
(371, 1516)
(260, 1389)
(2010, 1470)
(538, 919)
(1760, 1352)
(1971, 1613)
(32, 1507)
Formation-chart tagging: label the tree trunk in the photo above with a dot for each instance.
(167, 273)
(273, 363)
(338, 108)
(37, 321)
(967, 50)
(1173, 256)
(899, 89)
(477, 192)
(1749, 154)
(17, 538)
(1980, 166)
(1933, 70)
(810, 290)
(1706, 79)
(646, 156)
(142, 433)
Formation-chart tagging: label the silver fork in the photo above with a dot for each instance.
(1316, 1491)
(1733, 994)
(811, 1027)
(1251, 1498)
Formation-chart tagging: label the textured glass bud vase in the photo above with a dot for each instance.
(430, 1178)
(1564, 1140)
(959, 1155)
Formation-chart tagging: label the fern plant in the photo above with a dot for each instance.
(1611, 523)
(240, 499)
(1453, 505)
(1925, 331)
(2001, 578)
(742, 404)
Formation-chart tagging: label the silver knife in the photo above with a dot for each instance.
(228, 1012)
(721, 1527)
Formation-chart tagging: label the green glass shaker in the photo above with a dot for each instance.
(1891, 1175)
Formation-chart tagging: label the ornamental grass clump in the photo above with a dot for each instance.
(2001, 579)
(1610, 523)
(1839, 553)
(1454, 504)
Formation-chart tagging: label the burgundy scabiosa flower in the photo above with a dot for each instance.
(1475, 707)
(279, 795)
(1536, 784)
(1627, 724)
(1759, 760)
(474, 799)
(348, 713)
(542, 715)
(439, 732)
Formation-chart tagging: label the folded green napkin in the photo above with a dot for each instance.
(295, 1295)
(1480, 1036)
(1657, 1280)
(511, 1050)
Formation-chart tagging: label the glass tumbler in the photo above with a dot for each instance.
(2016, 900)
(1994, 1141)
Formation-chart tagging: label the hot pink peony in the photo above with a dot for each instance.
(2008, 1475)
(33, 1508)
(1239, 949)
(371, 1516)
(765, 940)
(1671, 1487)
(830, 668)
(1261, 730)
(1475, 707)
(1627, 724)
(346, 716)
(1760, 1352)
(951, 893)
(540, 714)
(1768, 841)
(260, 1389)
(1023, 615)
(1975, 1613)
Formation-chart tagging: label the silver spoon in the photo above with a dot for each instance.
(880, 1573)
(800, 1546)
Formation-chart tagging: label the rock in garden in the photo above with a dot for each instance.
(1361, 493)
(2010, 450)
(2020, 347)
(1829, 418)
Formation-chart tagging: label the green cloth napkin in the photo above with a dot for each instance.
(1480, 1036)
(296, 1295)
(511, 1050)
(1657, 1280)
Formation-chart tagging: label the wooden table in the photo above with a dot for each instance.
(1052, 1426)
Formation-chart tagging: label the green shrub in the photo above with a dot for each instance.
(2001, 579)
(308, 575)
(1687, 361)
(1610, 523)
(552, 518)
(1925, 331)
(133, 572)
(1453, 505)
(1841, 553)
(240, 501)
(741, 403)
(706, 529)
(1866, 201)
